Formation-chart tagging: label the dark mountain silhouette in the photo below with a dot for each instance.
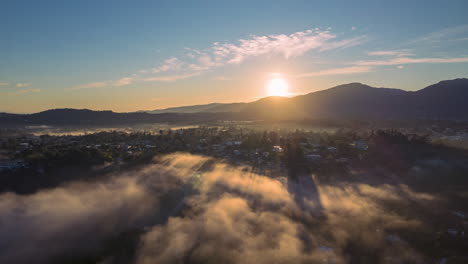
(206, 108)
(443, 100)
(354, 100)
(85, 117)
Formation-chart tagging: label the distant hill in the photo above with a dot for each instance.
(85, 117)
(206, 108)
(446, 100)
(352, 100)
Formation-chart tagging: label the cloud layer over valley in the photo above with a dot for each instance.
(193, 209)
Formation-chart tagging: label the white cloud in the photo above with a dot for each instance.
(353, 28)
(399, 53)
(119, 82)
(220, 54)
(400, 67)
(446, 34)
(193, 50)
(458, 39)
(346, 43)
(288, 46)
(196, 62)
(405, 60)
(25, 91)
(92, 85)
(171, 78)
(19, 85)
(168, 65)
(123, 81)
(337, 71)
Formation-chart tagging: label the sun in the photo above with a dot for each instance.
(277, 87)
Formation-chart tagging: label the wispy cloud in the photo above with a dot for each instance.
(336, 71)
(446, 34)
(288, 46)
(398, 53)
(20, 92)
(171, 78)
(219, 54)
(222, 78)
(346, 43)
(19, 85)
(195, 62)
(91, 85)
(119, 82)
(169, 64)
(4, 84)
(123, 81)
(406, 60)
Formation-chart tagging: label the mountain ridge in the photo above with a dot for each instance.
(443, 100)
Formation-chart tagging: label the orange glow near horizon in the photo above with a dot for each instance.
(277, 87)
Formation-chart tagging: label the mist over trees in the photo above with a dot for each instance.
(344, 197)
(228, 215)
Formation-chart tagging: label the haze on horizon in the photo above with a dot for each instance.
(122, 56)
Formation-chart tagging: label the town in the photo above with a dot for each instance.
(29, 163)
(267, 152)
(260, 149)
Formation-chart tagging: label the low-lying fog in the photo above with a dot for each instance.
(192, 209)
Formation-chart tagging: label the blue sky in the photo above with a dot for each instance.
(132, 55)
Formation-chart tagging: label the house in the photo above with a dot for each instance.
(332, 149)
(360, 145)
(325, 249)
(460, 214)
(9, 165)
(232, 143)
(342, 160)
(277, 149)
(314, 157)
(393, 238)
(217, 147)
(455, 233)
(24, 145)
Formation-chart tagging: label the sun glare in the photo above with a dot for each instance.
(277, 87)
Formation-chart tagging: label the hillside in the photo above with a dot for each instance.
(206, 108)
(445, 100)
(85, 117)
